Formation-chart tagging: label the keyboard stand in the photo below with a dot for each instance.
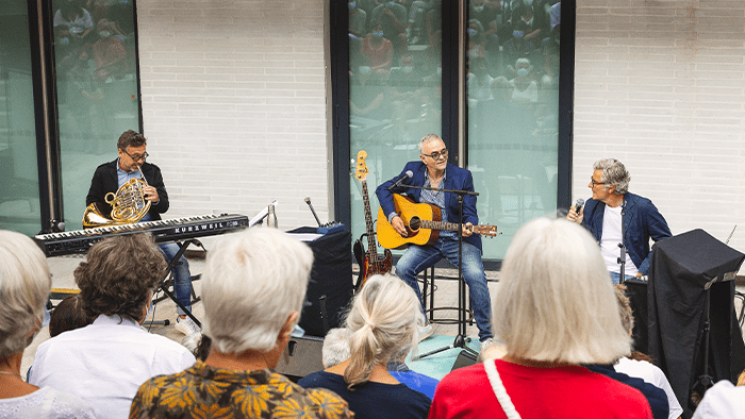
(164, 284)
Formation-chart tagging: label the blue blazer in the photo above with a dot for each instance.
(455, 178)
(642, 221)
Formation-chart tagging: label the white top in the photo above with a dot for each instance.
(44, 403)
(652, 375)
(610, 240)
(723, 401)
(106, 362)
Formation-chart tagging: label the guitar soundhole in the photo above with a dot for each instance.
(414, 223)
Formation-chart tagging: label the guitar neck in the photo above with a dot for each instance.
(439, 225)
(371, 247)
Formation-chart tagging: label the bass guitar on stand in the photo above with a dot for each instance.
(371, 263)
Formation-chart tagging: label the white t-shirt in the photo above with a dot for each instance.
(610, 240)
(723, 401)
(44, 403)
(105, 363)
(651, 374)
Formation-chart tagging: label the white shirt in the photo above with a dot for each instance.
(44, 403)
(651, 374)
(106, 362)
(610, 240)
(723, 401)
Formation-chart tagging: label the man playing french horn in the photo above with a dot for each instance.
(131, 164)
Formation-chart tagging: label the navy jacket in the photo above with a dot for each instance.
(106, 180)
(642, 221)
(455, 178)
(655, 396)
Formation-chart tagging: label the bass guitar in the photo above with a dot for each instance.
(423, 223)
(373, 263)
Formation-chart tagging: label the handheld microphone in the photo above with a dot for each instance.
(578, 205)
(408, 175)
(307, 201)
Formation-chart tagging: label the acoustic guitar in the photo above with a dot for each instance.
(373, 263)
(423, 223)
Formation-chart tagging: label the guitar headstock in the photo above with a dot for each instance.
(486, 230)
(361, 172)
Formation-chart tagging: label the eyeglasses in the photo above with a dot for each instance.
(437, 155)
(138, 157)
(594, 183)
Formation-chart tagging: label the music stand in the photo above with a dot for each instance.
(460, 341)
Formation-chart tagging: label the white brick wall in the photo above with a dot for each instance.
(660, 85)
(234, 104)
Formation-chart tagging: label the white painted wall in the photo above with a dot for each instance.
(660, 85)
(234, 104)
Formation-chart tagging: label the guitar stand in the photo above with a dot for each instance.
(460, 338)
(165, 283)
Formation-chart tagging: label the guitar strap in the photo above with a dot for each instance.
(498, 388)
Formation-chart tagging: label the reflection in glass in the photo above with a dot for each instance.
(395, 89)
(19, 179)
(94, 48)
(512, 84)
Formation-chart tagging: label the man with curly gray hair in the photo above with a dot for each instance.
(610, 205)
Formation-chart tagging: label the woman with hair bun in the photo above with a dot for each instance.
(381, 322)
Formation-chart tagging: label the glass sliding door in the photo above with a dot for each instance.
(486, 75)
(19, 174)
(395, 88)
(512, 82)
(97, 96)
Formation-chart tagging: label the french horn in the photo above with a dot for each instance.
(128, 206)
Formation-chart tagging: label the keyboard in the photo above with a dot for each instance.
(79, 241)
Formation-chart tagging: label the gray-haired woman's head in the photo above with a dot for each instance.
(555, 301)
(24, 288)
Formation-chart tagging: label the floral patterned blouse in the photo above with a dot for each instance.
(206, 392)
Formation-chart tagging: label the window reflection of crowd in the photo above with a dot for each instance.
(94, 48)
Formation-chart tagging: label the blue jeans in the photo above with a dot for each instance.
(615, 277)
(181, 276)
(419, 258)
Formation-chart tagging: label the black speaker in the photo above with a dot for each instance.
(465, 359)
(302, 356)
(330, 287)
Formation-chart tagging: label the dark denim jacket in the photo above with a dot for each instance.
(642, 221)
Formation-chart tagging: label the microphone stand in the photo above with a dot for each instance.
(622, 245)
(460, 340)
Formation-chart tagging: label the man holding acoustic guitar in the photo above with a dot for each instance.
(427, 247)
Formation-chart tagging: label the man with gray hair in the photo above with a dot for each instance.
(611, 204)
(433, 170)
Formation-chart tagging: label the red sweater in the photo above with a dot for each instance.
(540, 393)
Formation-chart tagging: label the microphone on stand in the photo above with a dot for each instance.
(307, 201)
(408, 175)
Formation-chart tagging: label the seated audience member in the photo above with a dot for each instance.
(551, 315)
(382, 321)
(24, 288)
(335, 347)
(723, 401)
(68, 315)
(105, 362)
(413, 380)
(253, 289)
(378, 49)
(647, 371)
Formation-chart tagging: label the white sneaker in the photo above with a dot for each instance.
(186, 325)
(423, 332)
